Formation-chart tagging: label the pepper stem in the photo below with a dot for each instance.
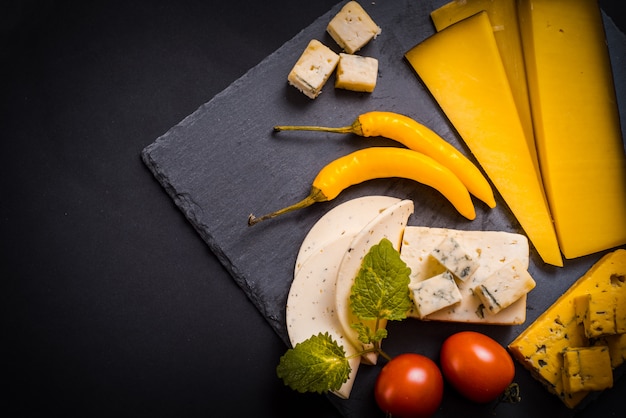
(355, 128)
(341, 130)
(315, 196)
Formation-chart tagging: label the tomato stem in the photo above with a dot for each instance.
(510, 395)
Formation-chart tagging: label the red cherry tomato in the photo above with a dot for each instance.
(477, 366)
(409, 386)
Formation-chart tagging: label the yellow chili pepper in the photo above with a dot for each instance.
(418, 137)
(382, 162)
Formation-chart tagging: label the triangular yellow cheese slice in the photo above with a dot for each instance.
(503, 17)
(577, 126)
(462, 68)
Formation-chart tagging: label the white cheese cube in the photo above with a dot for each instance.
(356, 73)
(435, 293)
(313, 68)
(453, 257)
(505, 286)
(352, 27)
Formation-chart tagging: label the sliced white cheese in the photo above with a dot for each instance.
(352, 27)
(436, 293)
(346, 219)
(313, 69)
(311, 303)
(453, 257)
(505, 286)
(356, 73)
(388, 224)
(491, 249)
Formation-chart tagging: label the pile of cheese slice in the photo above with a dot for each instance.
(528, 86)
(464, 276)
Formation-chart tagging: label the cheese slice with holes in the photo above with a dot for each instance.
(539, 348)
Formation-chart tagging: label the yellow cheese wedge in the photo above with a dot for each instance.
(577, 127)
(503, 17)
(461, 67)
(540, 346)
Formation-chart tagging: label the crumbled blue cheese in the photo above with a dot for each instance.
(493, 249)
(505, 286)
(435, 293)
(313, 68)
(356, 73)
(454, 258)
(352, 27)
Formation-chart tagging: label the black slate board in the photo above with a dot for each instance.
(223, 162)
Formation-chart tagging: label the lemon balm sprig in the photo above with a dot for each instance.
(380, 293)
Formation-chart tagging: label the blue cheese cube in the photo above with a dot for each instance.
(435, 293)
(505, 286)
(587, 369)
(356, 73)
(352, 27)
(313, 68)
(453, 257)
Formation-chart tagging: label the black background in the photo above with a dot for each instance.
(113, 304)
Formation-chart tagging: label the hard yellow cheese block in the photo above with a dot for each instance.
(461, 67)
(503, 17)
(540, 347)
(576, 120)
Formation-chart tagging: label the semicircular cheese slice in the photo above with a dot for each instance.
(346, 219)
(389, 224)
(311, 303)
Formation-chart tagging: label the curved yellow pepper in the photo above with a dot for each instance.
(382, 162)
(418, 137)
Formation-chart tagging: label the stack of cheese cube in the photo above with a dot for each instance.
(352, 28)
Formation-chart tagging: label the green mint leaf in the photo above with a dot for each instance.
(317, 364)
(365, 333)
(381, 288)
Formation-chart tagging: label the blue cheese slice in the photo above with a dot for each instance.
(492, 250)
(313, 69)
(435, 293)
(505, 286)
(352, 28)
(356, 73)
(453, 257)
